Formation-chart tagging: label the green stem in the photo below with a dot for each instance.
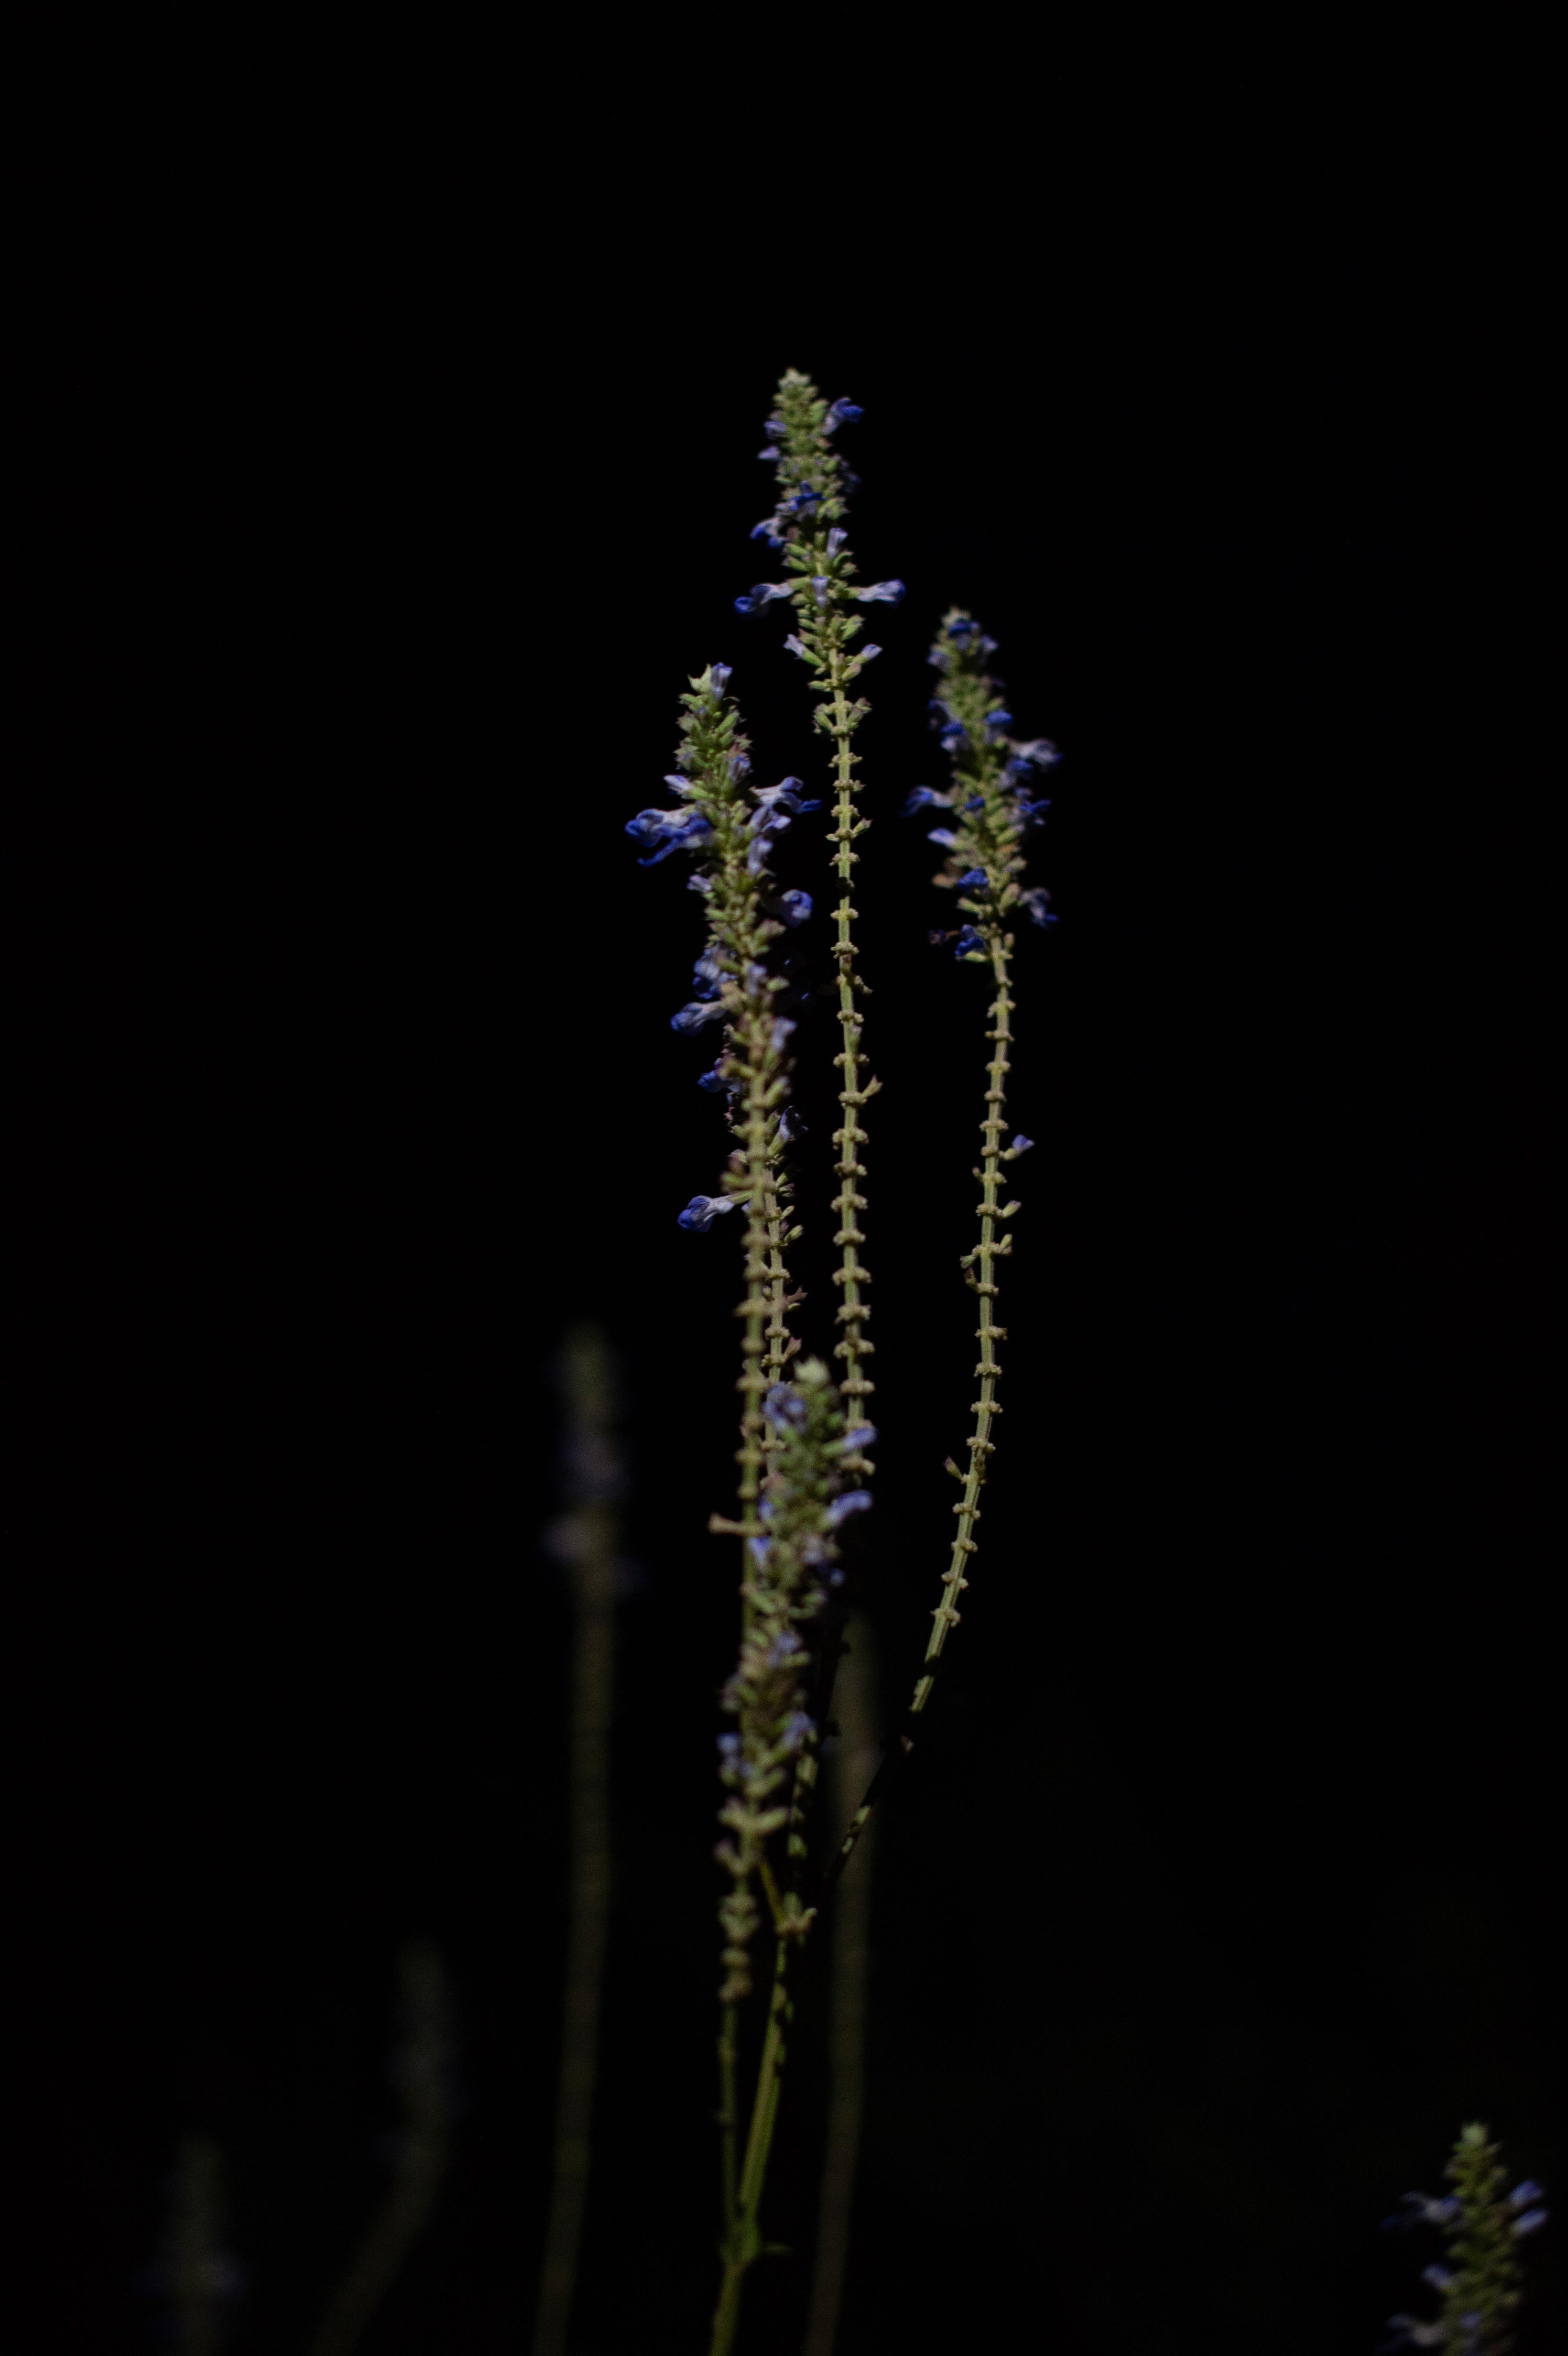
(728, 2020)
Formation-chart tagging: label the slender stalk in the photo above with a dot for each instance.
(850, 1136)
(985, 1411)
(988, 1251)
(586, 1537)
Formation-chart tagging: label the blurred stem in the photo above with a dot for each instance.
(424, 2066)
(196, 2247)
(588, 1539)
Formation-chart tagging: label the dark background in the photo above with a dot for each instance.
(1223, 1891)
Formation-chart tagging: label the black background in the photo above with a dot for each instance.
(1223, 1891)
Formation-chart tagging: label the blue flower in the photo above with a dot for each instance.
(1021, 1144)
(836, 539)
(652, 825)
(975, 802)
(854, 1501)
(843, 413)
(796, 1726)
(796, 907)
(804, 497)
(702, 1210)
(1035, 902)
(870, 654)
(881, 593)
(1523, 2194)
(770, 817)
(719, 675)
(761, 594)
(793, 645)
(1438, 2277)
(820, 585)
(768, 529)
(1030, 813)
(708, 975)
(785, 795)
(674, 829)
(864, 1435)
(1040, 751)
(692, 1018)
(775, 797)
(921, 797)
(780, 1034)
(682, 786)
(1412, 2334)
(784, 1406)
(1421, 2210)
(761, 843)
(760, 1549)
(729, 1746)
(942, 834)
(1530, 2222)
(775, 428)
(791, 1125)
(702, 884)
(976, 879)
(969, 939)
(715, 1082)
(997, 720)
(954, 734)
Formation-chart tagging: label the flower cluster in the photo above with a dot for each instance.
(806, 525)
(730, 826)
(806, 1498)
(1484, 2227)
(991, 798)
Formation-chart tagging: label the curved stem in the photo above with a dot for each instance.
(987, 1408)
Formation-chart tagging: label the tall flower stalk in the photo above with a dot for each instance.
(795, 1456)
(1483, 2226)
(806, 526)
(993, 809)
